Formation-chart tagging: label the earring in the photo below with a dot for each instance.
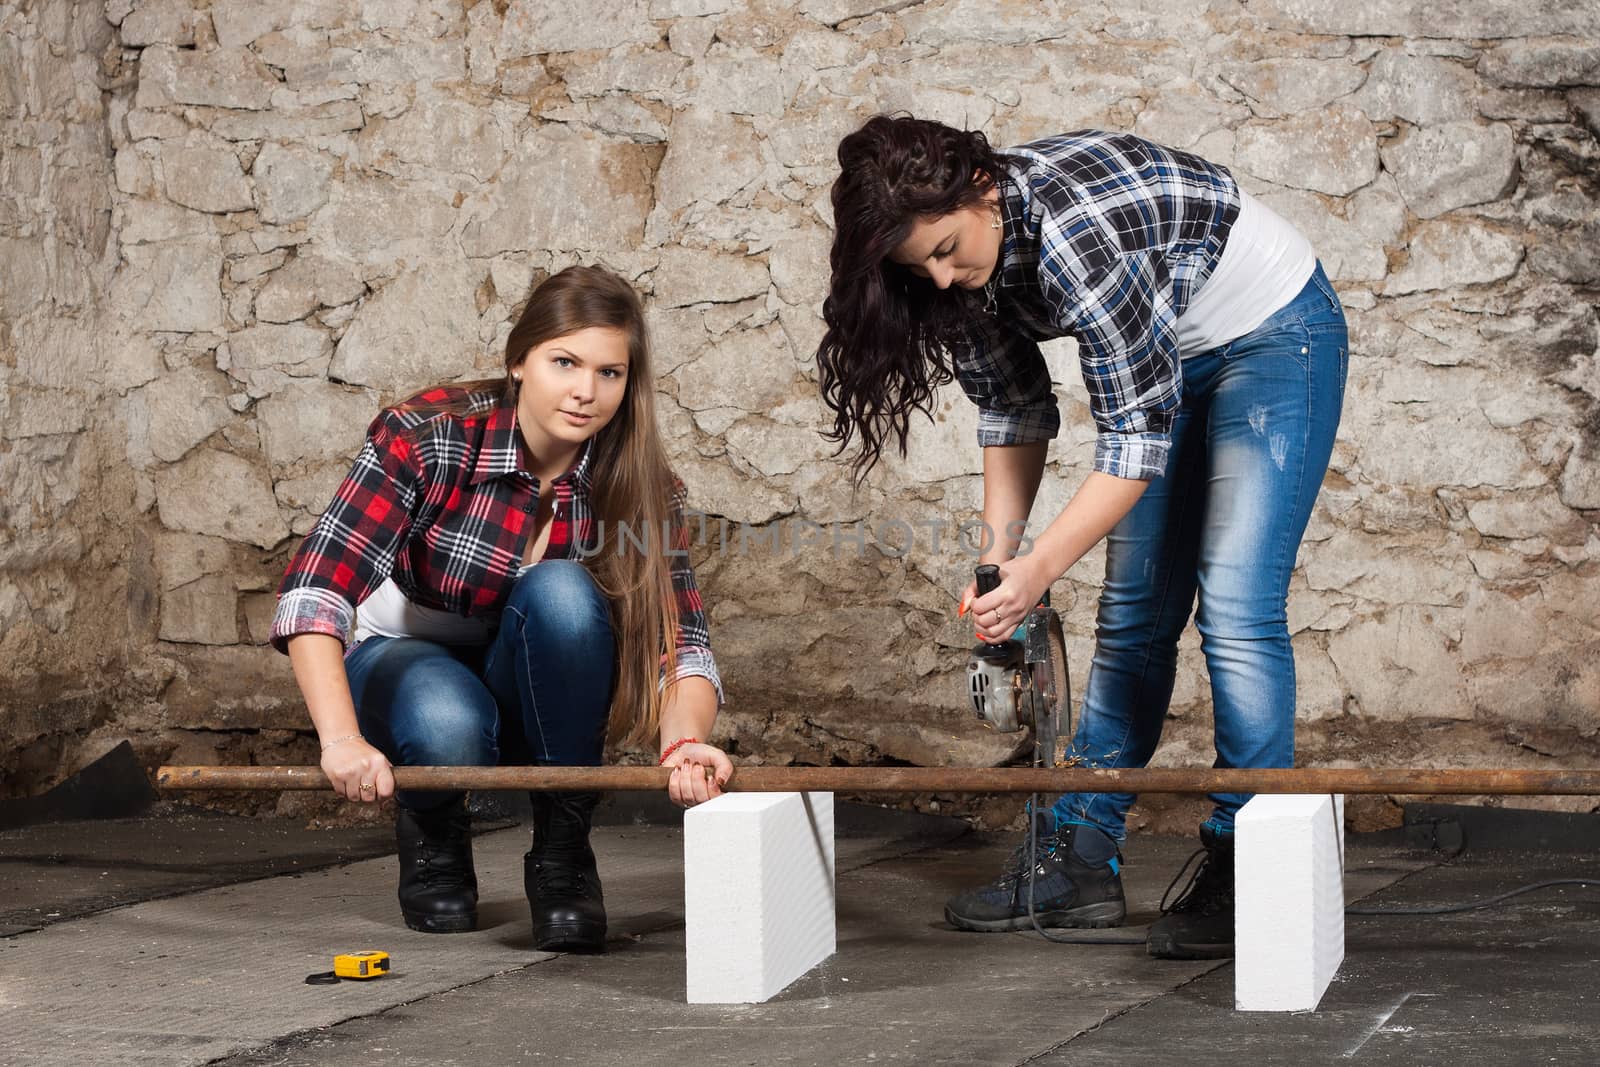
(994, 223)
(516, 377)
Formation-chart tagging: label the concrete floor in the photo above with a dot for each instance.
(185, 938)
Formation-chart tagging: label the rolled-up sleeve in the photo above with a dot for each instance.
(692, 646)
(1106, 237)
(1004, 373)
(1126, 326)
(352, 548)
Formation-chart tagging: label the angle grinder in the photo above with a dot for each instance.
(1022, 683)
(1018, 684)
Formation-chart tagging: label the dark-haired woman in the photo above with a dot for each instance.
(502, 577)
(1214, 353)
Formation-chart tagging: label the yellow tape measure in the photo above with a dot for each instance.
(358, 965)
(369, 964)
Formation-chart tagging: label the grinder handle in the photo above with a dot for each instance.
(988, 578)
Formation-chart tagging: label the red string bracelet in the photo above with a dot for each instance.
(679, 743)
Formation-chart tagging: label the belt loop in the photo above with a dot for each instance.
(1326, 285)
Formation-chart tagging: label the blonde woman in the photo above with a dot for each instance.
(515, 547)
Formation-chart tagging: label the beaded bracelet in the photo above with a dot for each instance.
(342, 740)
(679, 743)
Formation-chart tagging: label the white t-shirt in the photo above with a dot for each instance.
(387, 612)
(1264, 265)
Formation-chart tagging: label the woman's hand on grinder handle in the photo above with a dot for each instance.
(997, 613)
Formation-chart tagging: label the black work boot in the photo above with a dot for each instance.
(438, 887)
(1199, 925)
(559, 874)
(1076, 882)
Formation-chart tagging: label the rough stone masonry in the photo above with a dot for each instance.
(231, 229)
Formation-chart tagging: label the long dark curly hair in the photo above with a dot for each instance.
(885, 349)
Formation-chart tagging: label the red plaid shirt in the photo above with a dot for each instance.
(444, 505)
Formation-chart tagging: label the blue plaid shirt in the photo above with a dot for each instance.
(1106, 238)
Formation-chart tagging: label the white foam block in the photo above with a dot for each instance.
(1289, 900)
(758, 893)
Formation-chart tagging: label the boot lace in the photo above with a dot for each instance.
(1045, 847)
(1206, 893)
(565, 877)
(440, 864)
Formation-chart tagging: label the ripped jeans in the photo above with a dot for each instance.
(1249, 450)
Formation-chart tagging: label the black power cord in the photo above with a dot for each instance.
(1487, 902)
(1048, 759)
(1338, 838)
(1442, 909)
(1453, 909)
(1033, 871)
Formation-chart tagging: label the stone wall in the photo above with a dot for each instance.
(64, 507)
(248, 224)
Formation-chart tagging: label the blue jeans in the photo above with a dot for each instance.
(539, 691)
(1249, 450)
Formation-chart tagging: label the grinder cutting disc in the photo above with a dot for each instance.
(1046, 653)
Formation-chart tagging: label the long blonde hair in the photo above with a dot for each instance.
(633, 490)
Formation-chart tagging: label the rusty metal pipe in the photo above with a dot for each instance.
(1411, 781)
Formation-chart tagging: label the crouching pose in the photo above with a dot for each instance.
(1214, 354)
(502, 578)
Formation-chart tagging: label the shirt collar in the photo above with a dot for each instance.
(578, 473)
(1016, 235)
(503, 451)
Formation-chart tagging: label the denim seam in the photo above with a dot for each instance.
(527, 666)
(1278, 563)
(1310, 379)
